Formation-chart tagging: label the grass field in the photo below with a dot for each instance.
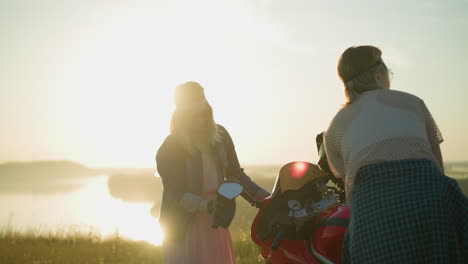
(89, 249)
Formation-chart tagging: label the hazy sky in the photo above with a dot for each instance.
(92, 81)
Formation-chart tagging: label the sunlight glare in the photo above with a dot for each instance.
(299, 169)
(115, 217)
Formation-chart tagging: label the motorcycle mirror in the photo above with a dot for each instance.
(230, 190)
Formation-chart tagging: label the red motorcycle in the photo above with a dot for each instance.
(303, 221)
(305, 218)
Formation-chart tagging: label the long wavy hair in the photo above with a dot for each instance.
(193, 121)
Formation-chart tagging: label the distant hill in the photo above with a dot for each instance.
(133, 185)
(42, 176)
(42, 170)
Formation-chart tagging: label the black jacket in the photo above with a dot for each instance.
(181, 173)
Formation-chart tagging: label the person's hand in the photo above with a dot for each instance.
(223, 213)
(207, 206)
(191, 202)
(194, 203)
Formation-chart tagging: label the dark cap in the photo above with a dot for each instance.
(357, 59)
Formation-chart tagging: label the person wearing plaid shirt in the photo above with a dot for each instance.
(385, 145)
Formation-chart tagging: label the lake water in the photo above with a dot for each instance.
(89, 208)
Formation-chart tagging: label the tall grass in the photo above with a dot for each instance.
(74, 248)
(81, 248)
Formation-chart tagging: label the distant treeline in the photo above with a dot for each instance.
(42, 170)
(41, 176)
(133, 185)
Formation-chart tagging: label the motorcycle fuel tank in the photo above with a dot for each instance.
(324, 246)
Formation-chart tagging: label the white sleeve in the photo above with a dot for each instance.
(434, 135)
(334, 155)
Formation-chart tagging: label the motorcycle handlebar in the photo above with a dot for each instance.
(278, 238)
(257, 204)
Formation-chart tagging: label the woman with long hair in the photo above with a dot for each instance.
(385, 144)
(192, 162)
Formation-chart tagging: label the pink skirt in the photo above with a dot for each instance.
(202, 245)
